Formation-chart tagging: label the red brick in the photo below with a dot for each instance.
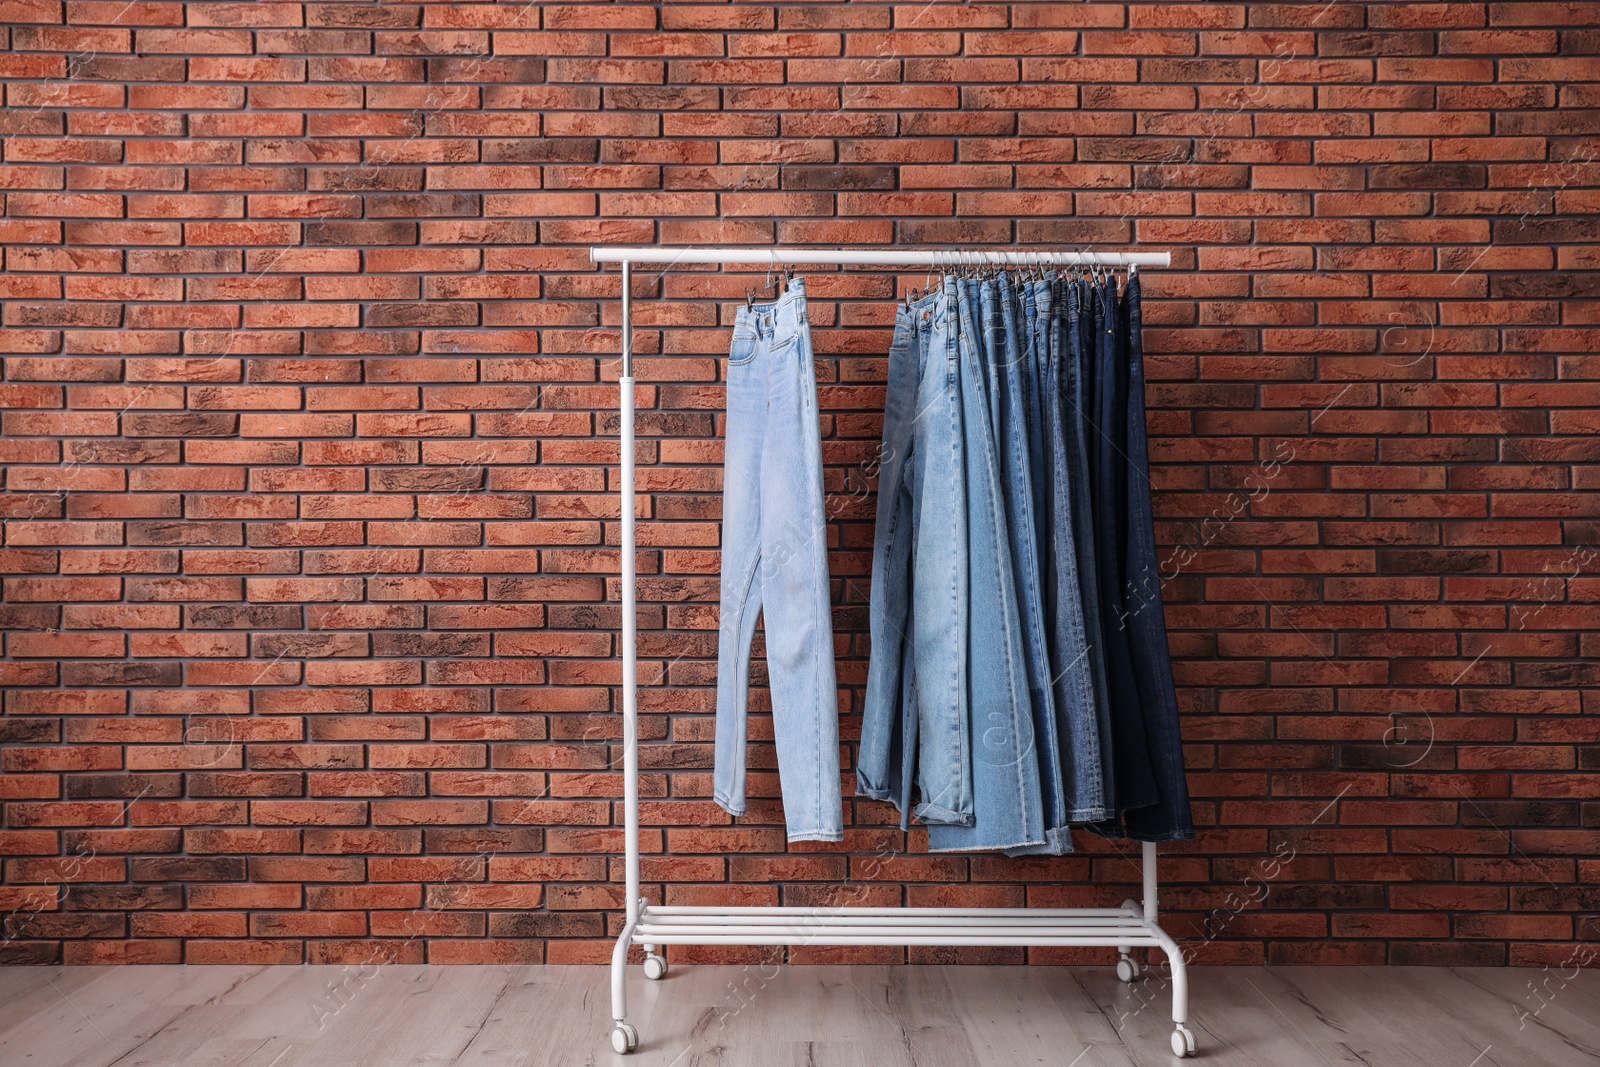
(390, 453)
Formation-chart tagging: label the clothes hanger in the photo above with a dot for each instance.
(750, 293)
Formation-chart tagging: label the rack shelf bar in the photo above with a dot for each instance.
(662, 912)
(881, 257)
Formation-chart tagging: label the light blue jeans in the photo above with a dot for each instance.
(1007, 803)
(775, 564)
(914, 725)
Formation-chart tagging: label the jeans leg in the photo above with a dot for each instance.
(1075, 407)
(743, 444)
(1005, 770)
(1016, 436)
(1147, 627)
(1136, 784)
(939, 612)
(1075, 701)
(879, 754)
(794, 579)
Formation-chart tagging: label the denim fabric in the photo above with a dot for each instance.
(1010, 373)
(1135, 779)
(1007, 805)
(1020, 681)
(918, 675)
(1074, 697)
(1074, 390)
(881, 758)
(775, 564)
(1171, 819)
(1036, 327)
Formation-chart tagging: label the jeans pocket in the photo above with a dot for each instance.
(743, 348)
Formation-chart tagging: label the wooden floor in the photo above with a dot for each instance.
(789, 1017)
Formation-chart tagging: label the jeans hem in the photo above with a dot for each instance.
(931, 813)
(875, 792)
(1082, 816)
(1057, 842)
(1125, 806)
(1117, 833)
(816, 835)
(727, 805)
(989, 848)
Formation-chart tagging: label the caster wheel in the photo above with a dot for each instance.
(655, 967)
(1182, 1043)
(1128, 969)
(624, 1039)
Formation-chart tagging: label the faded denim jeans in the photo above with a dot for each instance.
(1007, 805)
(775, 565)
(914, 725)
(1008, 339)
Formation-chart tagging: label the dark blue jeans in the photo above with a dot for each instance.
(1170, 819)
(1108, 431)
(1074, 388)
(1082, 715)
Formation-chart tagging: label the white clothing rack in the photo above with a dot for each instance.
(650, 925)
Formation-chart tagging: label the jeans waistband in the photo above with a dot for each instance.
(779, 319)
(924, 313)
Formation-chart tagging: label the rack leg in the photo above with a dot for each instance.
(619, 974)
(624, 1038)
(1182, 1039)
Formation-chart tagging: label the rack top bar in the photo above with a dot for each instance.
(884, 257)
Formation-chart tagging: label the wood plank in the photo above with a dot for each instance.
(812, 1016)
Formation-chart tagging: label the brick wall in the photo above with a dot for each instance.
(308, 446)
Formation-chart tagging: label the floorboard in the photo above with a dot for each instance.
(823, 1016)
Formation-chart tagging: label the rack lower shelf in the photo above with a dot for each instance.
(654, 926)
(1090, 927)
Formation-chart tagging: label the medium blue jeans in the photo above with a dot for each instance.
(1005, 767)
(914, 721)
(1059, 488)
(1009, 351)
(775, 564)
